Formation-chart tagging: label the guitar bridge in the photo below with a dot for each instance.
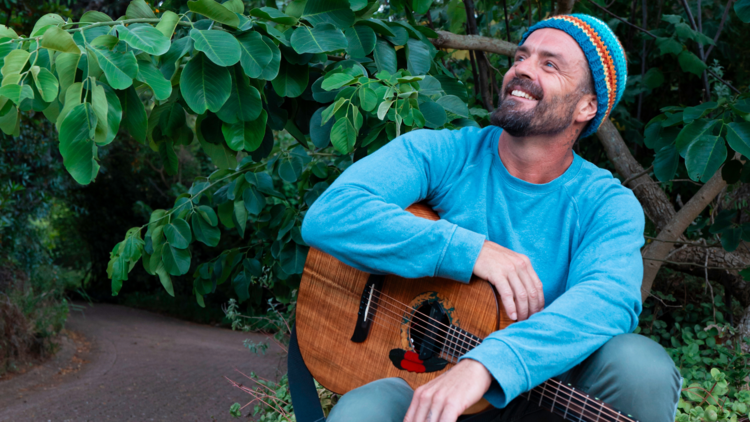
(367, 307)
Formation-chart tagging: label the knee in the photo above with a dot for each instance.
(639, 361)
(385, 400)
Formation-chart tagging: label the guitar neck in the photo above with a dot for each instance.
(552, 395)
(573, 405)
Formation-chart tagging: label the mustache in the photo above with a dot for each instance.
(525, 85)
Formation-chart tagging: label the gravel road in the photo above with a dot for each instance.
(124, 364)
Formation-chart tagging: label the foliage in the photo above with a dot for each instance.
(711, 356)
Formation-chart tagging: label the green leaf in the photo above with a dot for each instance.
(165, 279)
(434, 114)
(291, 81)
(178, 233)
(273, 15)
(361, 40)
(151, 76)
(730, 239)
(421, 6)
(138, 9)
(456, 12)
(320, 39)
(46, 83)
(16, 93)
(169, 157)
(738, 136)
(401, 37)
(176, 260)
(219, 46)
(77, 143)
(705, 156)
(244, 103)
(59, 40)
(293, 259)
(234, 135)
(99, 105)
(692, 132)
(15, 62)
(742, 9)
(454, 105)
(255, 54)
(134, 116)
(289, 169)
(319, 133)
(271, 71)
(336, 80)
(204, 85)
(692, 113)
(44, 23)
(418, 57)
(205, 232)
(668, 46)
(120, 68)
(383, 109)
(378, 26)
(239, 217)
(385, 56)
(168, 23)
(367, 99)
(254, 200)
(114, 113)
(215, 11)
(357, 5)
(145, 38)
(665, 163)
(343, 136)
(66, 65)
(653, 78)
(255, 131)
(689, 62)
(336, 12)
(236, 6)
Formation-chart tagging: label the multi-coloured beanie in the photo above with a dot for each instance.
(605, 55)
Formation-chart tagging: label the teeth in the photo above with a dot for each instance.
(517, 93)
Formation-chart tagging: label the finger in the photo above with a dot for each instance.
(506, 296)
(450, 413)
(520, 295)
(421, 402)
(531, 290)
(537, 282)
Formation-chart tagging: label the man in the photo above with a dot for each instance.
(520, 209)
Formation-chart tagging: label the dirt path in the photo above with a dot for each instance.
(124, 364)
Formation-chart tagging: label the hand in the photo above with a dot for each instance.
(514, 279)
(446, 397)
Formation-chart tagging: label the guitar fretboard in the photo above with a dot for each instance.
(552, 395)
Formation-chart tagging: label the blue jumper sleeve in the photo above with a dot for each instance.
(360, 218)
(601, 300)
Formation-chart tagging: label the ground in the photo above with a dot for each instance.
(124, 364)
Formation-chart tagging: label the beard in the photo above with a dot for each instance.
(549, 116)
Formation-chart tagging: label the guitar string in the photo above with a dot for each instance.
(390, 308)
(569, 392)
(380, 294)
(461, 349)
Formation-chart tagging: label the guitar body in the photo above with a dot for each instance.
(333, 297)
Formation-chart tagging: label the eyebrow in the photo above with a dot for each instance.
(543, 53)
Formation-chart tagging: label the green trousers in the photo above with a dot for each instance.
(630, 372)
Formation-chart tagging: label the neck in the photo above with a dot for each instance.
(538, 159)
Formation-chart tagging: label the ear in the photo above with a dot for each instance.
(586, 109)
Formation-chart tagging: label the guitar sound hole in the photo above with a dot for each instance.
(421, 326)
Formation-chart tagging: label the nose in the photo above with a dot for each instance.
(525, 68)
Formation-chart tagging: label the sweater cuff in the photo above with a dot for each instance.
(508, 371)
(459, 257)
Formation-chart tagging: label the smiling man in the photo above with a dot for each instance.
(558, 238)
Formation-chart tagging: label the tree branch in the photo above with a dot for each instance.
(721, 27)
(474, 42)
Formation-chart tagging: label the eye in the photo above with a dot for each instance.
(519, 58)
(550, 65)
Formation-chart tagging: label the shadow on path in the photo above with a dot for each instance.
(138, 366)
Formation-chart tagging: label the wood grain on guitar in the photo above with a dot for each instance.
(353, 329)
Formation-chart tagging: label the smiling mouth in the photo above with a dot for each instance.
(521, 94)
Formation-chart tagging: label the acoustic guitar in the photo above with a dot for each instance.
(354, 328)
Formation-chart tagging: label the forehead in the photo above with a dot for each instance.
(554, 42)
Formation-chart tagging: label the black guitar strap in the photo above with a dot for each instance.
(301, 386)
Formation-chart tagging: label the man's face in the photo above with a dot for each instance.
(541, 90)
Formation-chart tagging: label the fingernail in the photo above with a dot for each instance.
(513, 316)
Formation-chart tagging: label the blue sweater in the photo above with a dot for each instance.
(582, 232)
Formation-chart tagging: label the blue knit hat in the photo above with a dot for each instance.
(605, 55)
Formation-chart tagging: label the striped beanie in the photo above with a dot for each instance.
(605, 55)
